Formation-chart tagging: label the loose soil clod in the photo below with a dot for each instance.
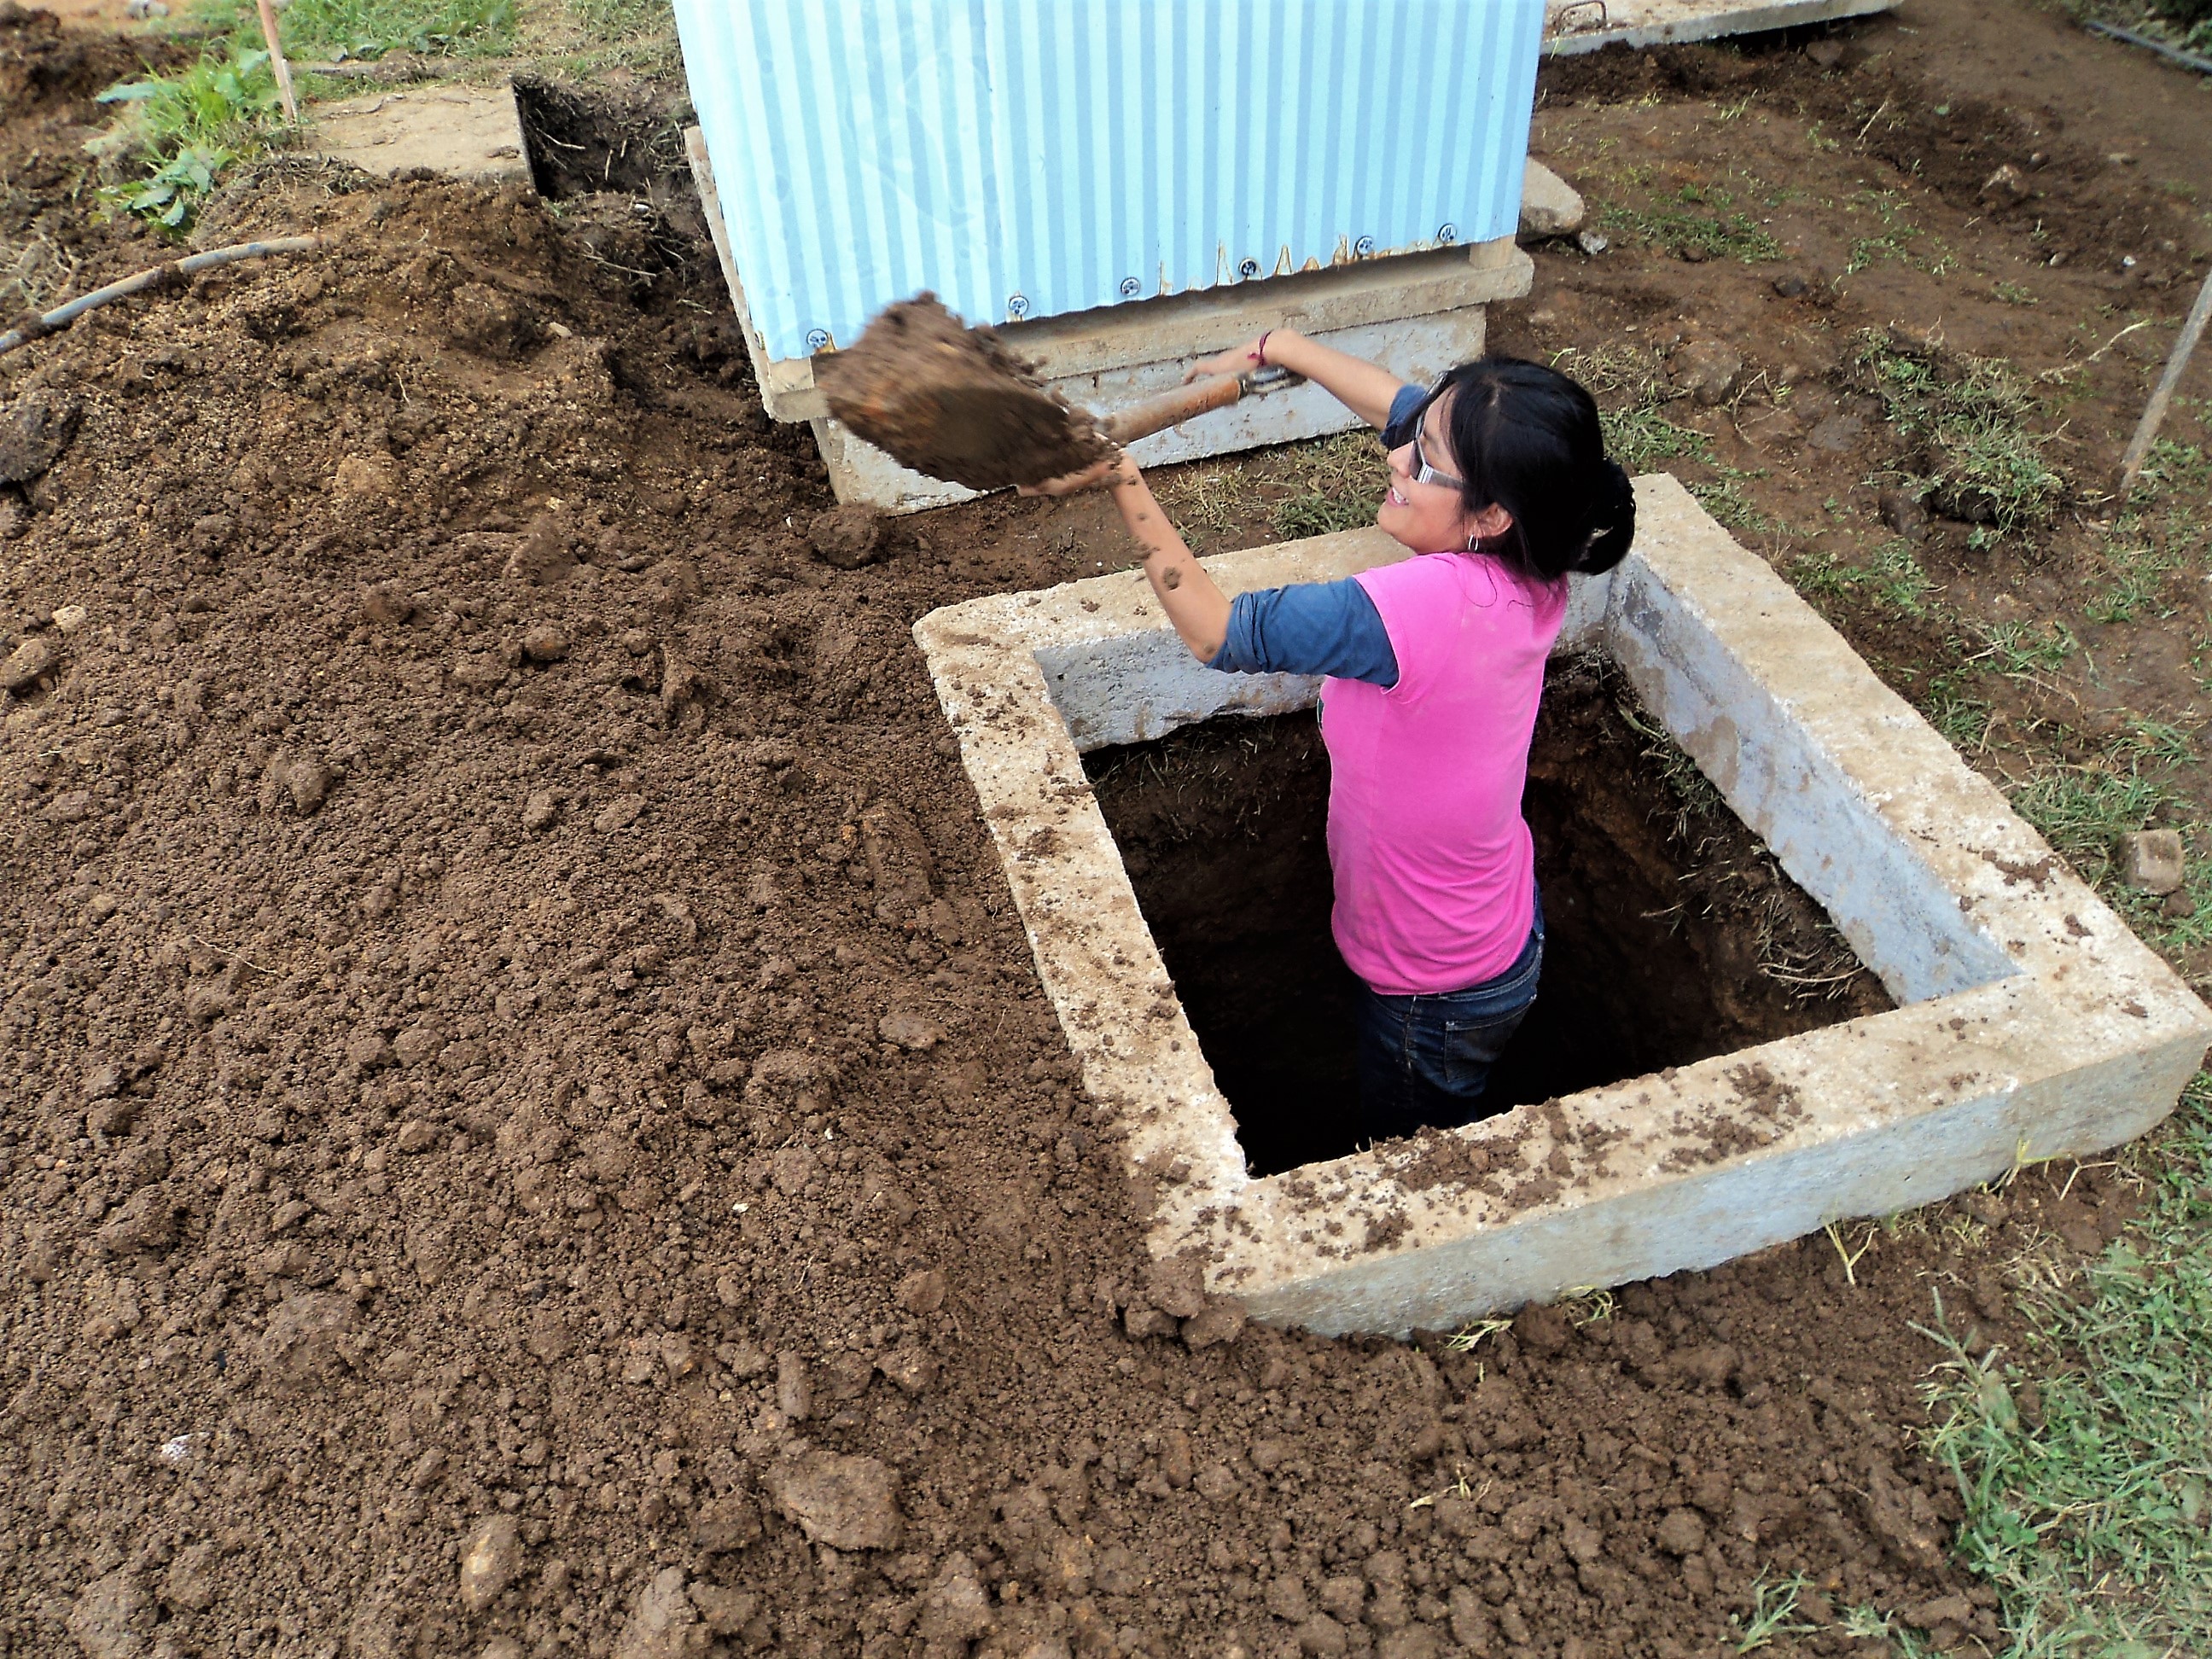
(952, 402)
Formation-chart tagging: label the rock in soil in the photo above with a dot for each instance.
(491, 1559)
(846, 1502)
(2153, 861)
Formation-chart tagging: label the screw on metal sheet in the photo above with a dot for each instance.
(1018, 306)
(1364, 246)
(1448, 233)
(1129, 287)
(1249, 267)
(817, 338)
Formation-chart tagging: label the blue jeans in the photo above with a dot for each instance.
(1425, 1060)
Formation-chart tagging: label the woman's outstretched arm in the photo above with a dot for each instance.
(1365, 388)
(1198, 609)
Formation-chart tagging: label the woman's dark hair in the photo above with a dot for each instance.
(1526, 438)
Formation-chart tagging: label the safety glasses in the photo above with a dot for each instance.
(1409, 431)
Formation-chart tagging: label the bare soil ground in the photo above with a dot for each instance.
(530, 1127)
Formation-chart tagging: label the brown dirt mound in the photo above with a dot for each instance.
(532, 1117)
(952, 402)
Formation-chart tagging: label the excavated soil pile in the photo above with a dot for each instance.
(1672, 935)
(530, 1123)
(953, 402)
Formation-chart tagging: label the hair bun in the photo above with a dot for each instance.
(1612, 525)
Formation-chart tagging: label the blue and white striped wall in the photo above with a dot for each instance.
(1027, 158)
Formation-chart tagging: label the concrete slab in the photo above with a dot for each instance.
(2030, 1022)
(471, 133)
(1579, 25)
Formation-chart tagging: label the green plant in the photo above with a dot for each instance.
(369, 28)
(1335, 483)
(1771, 1606)
(1891, 577)
(184, 129)
(2087, 1506)
(1963, 719)
(1714, 233)
(1971, 416)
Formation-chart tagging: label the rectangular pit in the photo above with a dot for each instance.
(1671, 935)
(2028, 1022)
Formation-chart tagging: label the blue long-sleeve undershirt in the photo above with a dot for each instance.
(1317, 627)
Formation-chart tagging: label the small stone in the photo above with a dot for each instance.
(847, 537)
(1592, 243)
(110, 1616)
(662, 1623)
(2007, 184)
(34, 430)
(922, 1291)
(1905, 513)
(386, 603)
(1707, 370)
(848, 1502)
(956, 1608)
(1219, 1321)
(190, 1582)
(909, 1031)
(30, 662)
(794, 1392)
(417, 1136)
(2177, 906)
(370, 475)
(911, 1369)
(68, 618)
(1789, 285)
(618, 814)
(1682, 1531)
(491, 1559)
(546, 643)
(540, 812)
(721, 1524)
(1549, 205)
(2153, 861)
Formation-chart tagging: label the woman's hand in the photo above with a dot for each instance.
(1239, 360)
(1115, 470)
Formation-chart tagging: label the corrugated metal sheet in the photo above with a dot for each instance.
(1032, 157)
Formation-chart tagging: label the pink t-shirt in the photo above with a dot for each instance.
(1435, 868)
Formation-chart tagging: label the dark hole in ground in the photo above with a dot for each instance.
(1672, 934)
(584, 144)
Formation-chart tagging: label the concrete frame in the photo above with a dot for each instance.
(2030, 1022)
(1415, 313)
(1584, 26)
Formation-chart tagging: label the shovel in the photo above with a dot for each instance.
(953, 403)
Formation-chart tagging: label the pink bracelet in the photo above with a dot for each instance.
(1259, 351)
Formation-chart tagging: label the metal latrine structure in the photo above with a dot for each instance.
(1036, 160)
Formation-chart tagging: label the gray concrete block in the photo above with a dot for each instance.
(1550, 206)
(2031, 1022)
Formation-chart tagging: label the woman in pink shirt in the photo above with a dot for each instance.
(1499, 487)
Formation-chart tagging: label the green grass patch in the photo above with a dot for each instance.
(337, 29)
(1890, 577)
(177, 132)
(1697, 222)
(2088, 1503)
(1335, 483)
(1981, 458)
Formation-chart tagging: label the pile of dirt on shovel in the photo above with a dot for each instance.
(531, 1127)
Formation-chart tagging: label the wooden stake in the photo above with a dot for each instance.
(276, 61)
(2154, 412)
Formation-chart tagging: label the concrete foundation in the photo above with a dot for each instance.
(1416, 314)
(1579, 25)
(2030, 1022)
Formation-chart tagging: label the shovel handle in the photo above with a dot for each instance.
(1158, 414)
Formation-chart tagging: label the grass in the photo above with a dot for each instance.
(1971, 416)
(2088, 1511)
(1773, 1607)
(1698, 223)
(2083, 811)
(180, 131)
(1890, 578)
(1335, 483)
(1632, 399)
(338, 29)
